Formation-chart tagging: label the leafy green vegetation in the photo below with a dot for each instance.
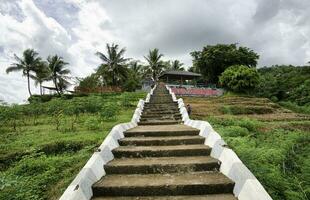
(285, 83)
(273, 142)
(212, 60)
(240, 78)
(44, 145)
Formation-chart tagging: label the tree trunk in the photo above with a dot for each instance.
(57, 90)
(113, 78)
(41, 93)
(102, 84)
(28, 80)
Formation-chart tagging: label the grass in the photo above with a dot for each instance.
(39, 162)
(272, 141)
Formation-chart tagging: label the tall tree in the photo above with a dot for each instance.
(57, 65)
(155, 65)
(136, 68)
(42, 74)
(214, 59)
(177, 65)
(114, 62)
(240, 78)
(27, 64)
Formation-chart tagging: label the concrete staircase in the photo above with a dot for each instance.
(162, 159)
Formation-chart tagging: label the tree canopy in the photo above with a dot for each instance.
(240, 78)
(155, 64)
(285, 82)
(28, 64)
(212, 60)
(114, 63)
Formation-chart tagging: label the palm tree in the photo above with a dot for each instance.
(177, 65)
(56, 65)
(155, 65)
(43, 73)
(136, 68)
(27, 64)
(114, 62)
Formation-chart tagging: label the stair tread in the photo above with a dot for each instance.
(175, 179)
(184, 197)
(162, 128)
(161, 148)
(162, 160)
(162, 138)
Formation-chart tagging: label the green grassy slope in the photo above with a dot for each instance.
(273, 142)
(37, 160)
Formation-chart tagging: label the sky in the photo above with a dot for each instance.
(278, 30)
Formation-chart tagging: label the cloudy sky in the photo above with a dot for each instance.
(279, 30)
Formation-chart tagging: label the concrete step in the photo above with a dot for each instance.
(151, 115)
(161, 130)
(159, 122)
(197, 183)
(163, 117)
(161, 112)
(191, 197)
(161, 165)
(151, 104)
(161, 151)
(162, 108)
(160, 141)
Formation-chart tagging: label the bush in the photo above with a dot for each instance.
(235, 131)
(240, 78)
(109, 111)
(92, 123)
(274, 99)
(294, 107)
(250, 124)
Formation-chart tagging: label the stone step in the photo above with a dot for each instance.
(162, 165)
(161, 130)
(162, 108)
(197, 183)
(163, 101)
(160, 119)
(151, 115)
(159, 122)
(191, 197)
(161, 151)
(161, 112)
(160, 141)
(151, 104)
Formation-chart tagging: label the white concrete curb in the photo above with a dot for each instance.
(80, 187)
(247, 187)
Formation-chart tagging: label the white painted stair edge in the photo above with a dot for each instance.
(81, 187)
(247, 187)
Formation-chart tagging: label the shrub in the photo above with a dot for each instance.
(92, 123)
(235, 131)
(251, 125)
(294, 107)
(274, 99)
(109, 111)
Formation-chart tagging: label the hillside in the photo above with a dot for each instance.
(272, 141)
(52, 141)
